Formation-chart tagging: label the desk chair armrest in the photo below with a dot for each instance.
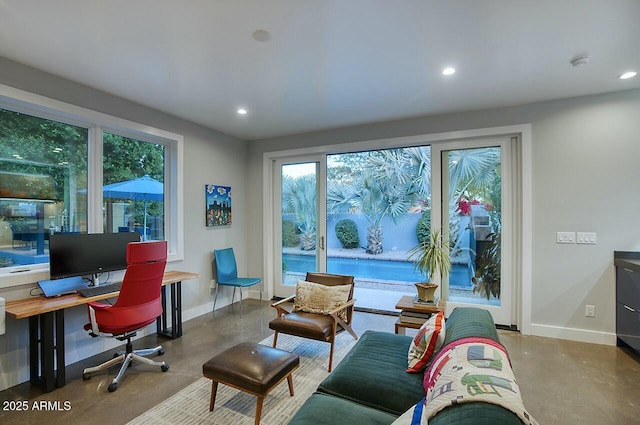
(91, 309)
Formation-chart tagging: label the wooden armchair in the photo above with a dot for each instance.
(317, 326)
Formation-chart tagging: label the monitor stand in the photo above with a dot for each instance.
(95, 281)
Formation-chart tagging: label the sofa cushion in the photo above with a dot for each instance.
(373, 374)
(429, 338)
(461, 414)
(466, 322)
(323, 409)
(475, 414)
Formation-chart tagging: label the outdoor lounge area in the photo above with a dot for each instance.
(485, 150)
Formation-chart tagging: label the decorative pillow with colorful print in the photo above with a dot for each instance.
(429, 339)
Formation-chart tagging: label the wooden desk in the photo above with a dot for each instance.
(406, 304)
(46, 326)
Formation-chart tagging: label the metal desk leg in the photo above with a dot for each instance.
(59, 338)
(34, 358)
(46, 350)
(161, 321)
(176, 312)
(178, 307)
(174, 316)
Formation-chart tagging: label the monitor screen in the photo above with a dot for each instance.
(78, 254)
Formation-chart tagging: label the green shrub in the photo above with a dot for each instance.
(347, 233)
(423, 228)
(290, 236)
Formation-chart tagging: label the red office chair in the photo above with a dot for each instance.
(138, 305)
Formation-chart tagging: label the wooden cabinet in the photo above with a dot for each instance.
(628, 300)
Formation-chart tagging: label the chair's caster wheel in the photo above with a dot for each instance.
(164, 367)
(112, 387)
(85, 377)
(161, 352)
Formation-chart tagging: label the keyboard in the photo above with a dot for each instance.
(93, 291)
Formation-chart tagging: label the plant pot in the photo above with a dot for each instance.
(426, 291)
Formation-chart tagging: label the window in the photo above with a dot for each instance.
(43, 173)
(57, 162)
(133, 186)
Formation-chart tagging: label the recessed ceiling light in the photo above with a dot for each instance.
(242, 111)
(448, 71)
(261, 35)
(629, 74)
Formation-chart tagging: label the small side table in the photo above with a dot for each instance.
(406, 304)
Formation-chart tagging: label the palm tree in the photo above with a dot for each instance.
(299, 198)
(420, 158)
(386, 186)
(471, 171)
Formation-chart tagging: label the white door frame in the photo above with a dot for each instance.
(281, 290)
(506, 312)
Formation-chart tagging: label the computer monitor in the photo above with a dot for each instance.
(78, 254)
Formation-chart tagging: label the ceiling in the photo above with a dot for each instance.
(329, 63)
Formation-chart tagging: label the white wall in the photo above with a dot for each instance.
(209, 157)
(586, 175)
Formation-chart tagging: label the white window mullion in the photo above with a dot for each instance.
(94, 181)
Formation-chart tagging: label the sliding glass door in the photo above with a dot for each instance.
(300, 247)
(478, 226)
(361, 214)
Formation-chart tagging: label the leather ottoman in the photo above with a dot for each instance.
(253, 368)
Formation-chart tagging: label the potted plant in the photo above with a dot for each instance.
(430, 257)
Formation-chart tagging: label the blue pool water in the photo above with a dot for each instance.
(373, 269)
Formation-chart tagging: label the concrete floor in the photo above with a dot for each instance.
(562, 382)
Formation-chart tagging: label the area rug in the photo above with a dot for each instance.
(190, 406)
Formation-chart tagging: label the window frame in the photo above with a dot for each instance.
(97, 122)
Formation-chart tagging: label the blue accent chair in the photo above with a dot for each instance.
(227, 275)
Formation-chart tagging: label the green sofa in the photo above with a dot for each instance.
(370, 385)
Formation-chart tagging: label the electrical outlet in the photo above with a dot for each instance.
(590, 311)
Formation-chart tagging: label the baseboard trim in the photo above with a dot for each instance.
(573, 334)
(198, 311)
(377, 311)
(548, 331)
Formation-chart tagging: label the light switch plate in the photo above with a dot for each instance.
(588, 238)
(566, 237)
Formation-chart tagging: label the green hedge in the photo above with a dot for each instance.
(347, 233)
(423, 227)
(290, 236)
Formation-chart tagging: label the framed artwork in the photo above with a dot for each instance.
(217, 205)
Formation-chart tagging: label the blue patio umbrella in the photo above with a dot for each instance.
(143, 189)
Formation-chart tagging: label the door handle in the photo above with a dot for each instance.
(322, 243)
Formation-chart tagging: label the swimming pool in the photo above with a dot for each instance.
(373, 269)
